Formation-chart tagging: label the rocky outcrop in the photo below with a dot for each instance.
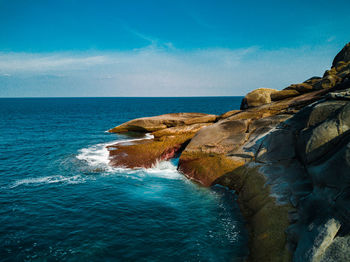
(151, 124)
(146, 152)
(285, 153)
(170, 132)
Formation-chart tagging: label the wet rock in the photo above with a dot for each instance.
(145, 153)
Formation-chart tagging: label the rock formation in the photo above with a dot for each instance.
(170, 132)
(285, 153)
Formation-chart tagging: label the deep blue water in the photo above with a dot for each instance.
(60, 201)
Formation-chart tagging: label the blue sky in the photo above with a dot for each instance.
(165, 48)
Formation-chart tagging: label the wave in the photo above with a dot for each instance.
(164, 169)
(97, 157)
(48, 180)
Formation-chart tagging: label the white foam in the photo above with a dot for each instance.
(98, 155)
(48, 180)
(164, 169)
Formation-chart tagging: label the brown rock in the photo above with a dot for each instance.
(313, 80)
(151, 124)
(331, 71)
(343, 69)
(300, 88)
(180, 130)
(221, 147)
(229, 113)
(267, 220)
(280, 95)
(257, 97)
(220, 137)
(341, 65)
(205, 168)
(145, 153)
(330, 81)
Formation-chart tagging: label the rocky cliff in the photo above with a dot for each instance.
(286, 154)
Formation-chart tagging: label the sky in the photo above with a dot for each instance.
(87, 48)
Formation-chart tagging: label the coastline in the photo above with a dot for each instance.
(280, 153)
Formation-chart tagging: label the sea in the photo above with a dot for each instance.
(61, 201)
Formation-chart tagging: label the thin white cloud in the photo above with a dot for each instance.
(158, 71)
(12, 62)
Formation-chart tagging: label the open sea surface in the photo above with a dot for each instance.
(60, 201)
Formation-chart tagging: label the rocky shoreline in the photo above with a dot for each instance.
(286, 154)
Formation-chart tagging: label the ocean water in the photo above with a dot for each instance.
(60, 201)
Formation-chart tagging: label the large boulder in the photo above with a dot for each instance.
(322, 136)
(258, 97)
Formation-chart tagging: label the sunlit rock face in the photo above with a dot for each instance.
(258, 97)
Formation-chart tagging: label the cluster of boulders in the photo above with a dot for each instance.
(286, 154)
(339, 71)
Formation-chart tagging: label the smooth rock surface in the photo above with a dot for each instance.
(155, 123)
(258, 97)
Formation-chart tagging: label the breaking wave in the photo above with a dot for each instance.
(97, 157)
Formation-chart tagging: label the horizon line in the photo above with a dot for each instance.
(30, 97)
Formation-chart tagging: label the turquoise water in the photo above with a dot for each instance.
(60, 201)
